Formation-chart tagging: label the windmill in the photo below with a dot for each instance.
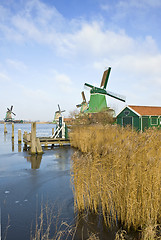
(84, 104)
(97, 101)
(9, 113)
(58, 114)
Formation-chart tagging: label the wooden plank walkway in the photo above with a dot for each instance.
(35, 143)
(47, 141)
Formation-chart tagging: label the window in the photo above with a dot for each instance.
(126, 113)
(154, 121)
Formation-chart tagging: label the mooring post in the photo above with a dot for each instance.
(33, 138)
(19, 147)
(38, 145)
(12, 130)
(52, 131)
(5, 128)
(12, 144)
(25, 138)
(19, 135)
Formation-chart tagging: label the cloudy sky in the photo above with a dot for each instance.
(50, 48)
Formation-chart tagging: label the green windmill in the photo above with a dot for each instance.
(84, 104)
(9, 113)
(98, 101)
(58, 114)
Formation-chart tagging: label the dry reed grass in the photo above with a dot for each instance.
(119, 171)
(151, 232)
(104, 118)
(47, 221)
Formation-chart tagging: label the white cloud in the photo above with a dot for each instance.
(105, 7)
(153, 3)
(46, 25)
(139, 4)
(35, 21)
(63, 82)
(27, 28)
(18, 65)
(63, 79)
(41, 13)
(3, 13)
(36, 96)
(4, 77)
(93, 41)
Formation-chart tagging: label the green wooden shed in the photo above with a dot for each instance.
(139, 117)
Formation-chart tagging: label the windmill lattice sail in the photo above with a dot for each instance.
(105, 78)
(98, 101)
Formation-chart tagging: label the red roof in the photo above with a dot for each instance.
(67, 119)
(147, 110)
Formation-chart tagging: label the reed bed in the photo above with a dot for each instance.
(118, 171)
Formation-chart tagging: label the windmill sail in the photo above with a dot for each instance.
(89, 85)
(13, 113)
(78, 105)
(83, 97)
(117, 96)
(60, 111)
(84, 104)
(105, 78)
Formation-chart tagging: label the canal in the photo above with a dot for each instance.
(35, 188)
(28, 183)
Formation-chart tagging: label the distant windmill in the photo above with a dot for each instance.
(84, 104)
(97, 101)
(9, 113)
(58, 114)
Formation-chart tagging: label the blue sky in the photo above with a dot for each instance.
(49, 49)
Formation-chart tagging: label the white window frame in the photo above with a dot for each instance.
(153, 117)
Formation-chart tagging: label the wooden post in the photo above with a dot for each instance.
(33, 138)
(38, 144)
(29, 136)
(12, 144)
(5, 128)
(52, 131)
(19, 147)
(46, 145)
(24, 138)
(12, 130)
(19, 135)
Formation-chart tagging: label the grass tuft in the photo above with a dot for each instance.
(119, 171)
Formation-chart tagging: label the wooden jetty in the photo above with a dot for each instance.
(35, 143)
(46, 141)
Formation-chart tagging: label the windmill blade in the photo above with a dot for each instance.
(59, 111)
(11, 108)
(105, 78)
(83, 96)
(13, 113)
(78, 105)
(59, 108)
(8, 110)
(88, 85)
(116, 96)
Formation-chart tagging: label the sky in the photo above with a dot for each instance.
(50, 48)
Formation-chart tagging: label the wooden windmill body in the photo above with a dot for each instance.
(98, 95)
